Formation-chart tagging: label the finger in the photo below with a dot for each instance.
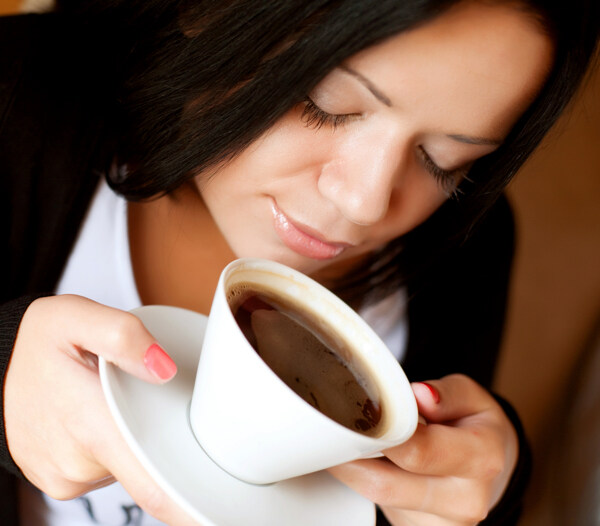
(141, 487)
(71, 469)
(476, 451)
(117, 336)
(112, 452)
(382, 482)
(378, 481)
(453, 397)
(60, 488)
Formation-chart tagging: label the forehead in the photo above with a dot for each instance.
(477, 64)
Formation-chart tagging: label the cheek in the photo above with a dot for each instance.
(412, 204)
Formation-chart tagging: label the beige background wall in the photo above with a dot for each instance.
(555, 296)
(9, 6)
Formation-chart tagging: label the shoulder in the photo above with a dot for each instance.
(457, 311)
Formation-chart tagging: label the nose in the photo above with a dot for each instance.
(364, 174)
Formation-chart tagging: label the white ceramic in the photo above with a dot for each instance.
(154, 422)
(251, 423)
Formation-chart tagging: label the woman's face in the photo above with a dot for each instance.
(382, 141)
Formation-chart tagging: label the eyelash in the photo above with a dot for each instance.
(315, 117)
(448, 179)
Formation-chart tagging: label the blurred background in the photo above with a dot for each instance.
(554, 314)
(551, 353)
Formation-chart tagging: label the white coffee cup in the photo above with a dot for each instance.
(256, 427)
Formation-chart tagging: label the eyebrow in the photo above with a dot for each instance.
(382, 97)
(369, 85)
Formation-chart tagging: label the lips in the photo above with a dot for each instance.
(297, 238)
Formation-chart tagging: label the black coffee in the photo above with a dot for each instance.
(308, 360)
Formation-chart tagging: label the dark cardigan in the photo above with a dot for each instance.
(49, 129)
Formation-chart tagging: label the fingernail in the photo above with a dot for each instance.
(159, 363)
(435, 394)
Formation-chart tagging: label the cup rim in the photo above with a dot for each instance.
(377, 359)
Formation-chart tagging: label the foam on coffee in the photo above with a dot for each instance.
(309, 357)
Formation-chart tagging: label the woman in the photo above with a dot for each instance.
(364, 143)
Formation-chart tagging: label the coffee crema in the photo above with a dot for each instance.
(310, 361)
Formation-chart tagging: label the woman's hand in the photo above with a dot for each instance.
(58, 426)
(453, 470)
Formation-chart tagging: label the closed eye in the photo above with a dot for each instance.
(315, 117)
(447, 179)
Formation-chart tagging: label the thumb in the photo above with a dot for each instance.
(117, 336)
(450, 398)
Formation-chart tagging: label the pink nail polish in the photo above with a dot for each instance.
(159, 363)
(434, 392)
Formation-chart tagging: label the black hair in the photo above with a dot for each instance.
(197, 81)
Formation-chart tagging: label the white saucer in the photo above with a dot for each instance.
(154, 422)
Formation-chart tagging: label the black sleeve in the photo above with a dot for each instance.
(456, 311)
(11, 314)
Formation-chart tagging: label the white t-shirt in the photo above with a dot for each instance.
(99, 268)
